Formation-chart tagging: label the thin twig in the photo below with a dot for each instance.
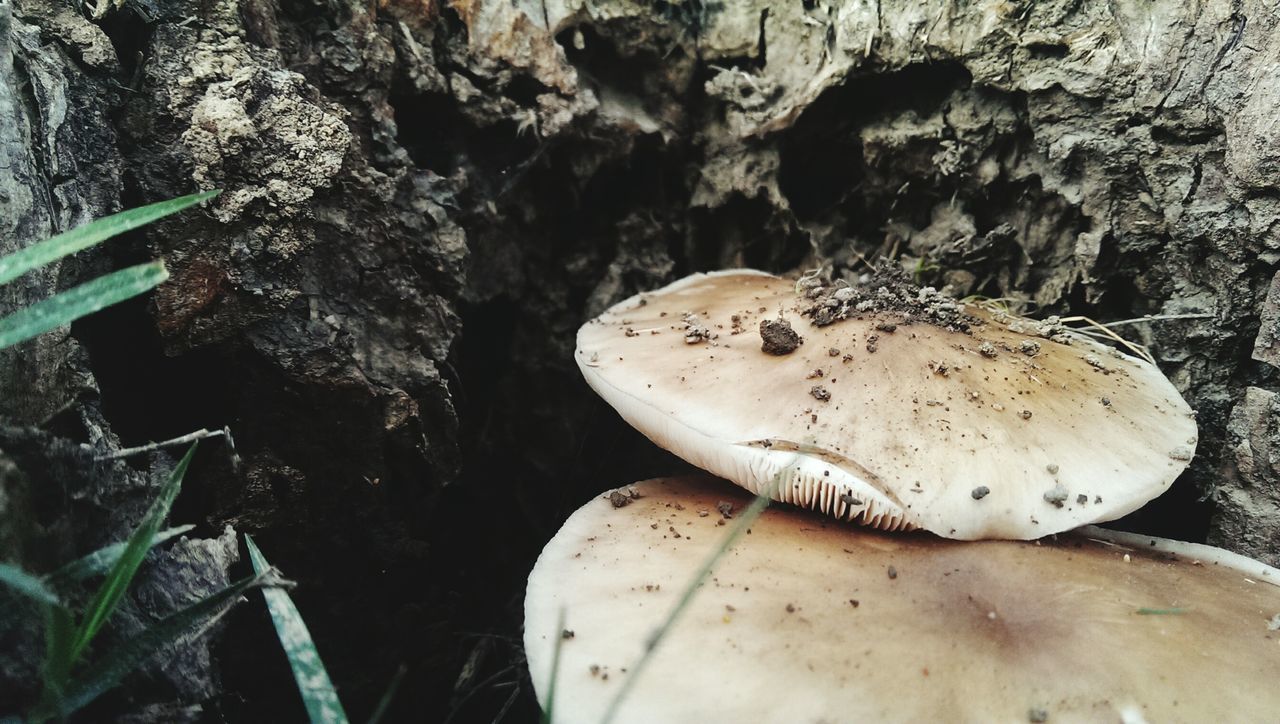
(1132, 347)
(1157, 318)
(187, 439)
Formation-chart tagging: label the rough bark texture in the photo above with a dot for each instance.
(423, 201)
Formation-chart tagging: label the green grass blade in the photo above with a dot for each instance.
(384, 703)
(59, 630)
(81, 301)
(32, 587)
(1161, 611)
(94, 564)
(121, 574)
(740, 526)
(107, 673)
(78, 239)
(100, 561)
(548, 714)
(317, 691)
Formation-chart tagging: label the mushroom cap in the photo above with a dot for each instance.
(985, 433)
(806, 620)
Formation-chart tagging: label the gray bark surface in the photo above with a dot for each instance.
(423, 201)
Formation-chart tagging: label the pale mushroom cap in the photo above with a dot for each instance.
(1059, 438)
(991, 631)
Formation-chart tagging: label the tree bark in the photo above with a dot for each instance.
(422, 202)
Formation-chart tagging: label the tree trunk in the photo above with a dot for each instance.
(422, 202)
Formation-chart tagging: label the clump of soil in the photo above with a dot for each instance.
(888, 290)
(778, 338)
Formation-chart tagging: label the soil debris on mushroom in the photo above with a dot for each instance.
(778, 338)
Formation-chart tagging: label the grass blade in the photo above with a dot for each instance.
(548, 713)
(81, 301)
(100, 561)
(736, 531)
(78, 239)
(313, 681)
(93, 564)
(59, 630)
(384, 703)
(110, 670)
(32, 587)
(118, 579)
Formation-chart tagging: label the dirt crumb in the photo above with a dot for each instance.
(980, 492)
(623, 498)
(778, 338)
(820, 393)
(725, 508)
(889, 290)
(695, 332)
(1057, 496)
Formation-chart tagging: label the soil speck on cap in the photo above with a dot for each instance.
(980, 492)
(871, 342)
(986, 349)
(1052, 468)
(1024, 414)
(566, 634)
(695, 332)
(893, 572)
(1038, 716)
(854, 602)
(1029, 348)
(791, 608)
(820, 393)
(778, 338)
(889, 290)
(1057, 496)
(833, 352)
(725, 508)
(622, 498)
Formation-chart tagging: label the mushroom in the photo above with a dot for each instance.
(807, 620)
(963, 422)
